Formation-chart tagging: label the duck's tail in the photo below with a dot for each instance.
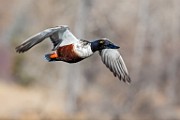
(51, 57)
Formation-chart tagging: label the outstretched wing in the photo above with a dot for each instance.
(113, 60)
(59, 36)
(37, 38)
(67, 38)
(62, 38)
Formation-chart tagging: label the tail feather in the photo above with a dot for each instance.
(50, 57)
(47, 57)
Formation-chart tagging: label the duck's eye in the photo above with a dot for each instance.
(101, 41)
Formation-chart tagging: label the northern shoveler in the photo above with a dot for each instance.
(67, 48)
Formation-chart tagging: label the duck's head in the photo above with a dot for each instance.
(102, 43)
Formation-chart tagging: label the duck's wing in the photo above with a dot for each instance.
(56, 40)
(113, 60)
(35, 39)
(59, 36)
(67, 38)
(62, 39)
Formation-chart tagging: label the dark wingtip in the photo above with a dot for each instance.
(126, 79)
(19, 49)
(23, 47)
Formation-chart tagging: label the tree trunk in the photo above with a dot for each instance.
(172, 69)
(140, 38)
(76, 78)
(139, 48)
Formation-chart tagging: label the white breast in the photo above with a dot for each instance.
(82, 49)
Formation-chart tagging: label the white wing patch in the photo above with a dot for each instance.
(67, 38)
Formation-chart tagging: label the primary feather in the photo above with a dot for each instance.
(59, 36)
(35, 39)
(113, 60)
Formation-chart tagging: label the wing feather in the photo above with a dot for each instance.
(113, 60)
(60, 36)
(35, 39)
(68, 38)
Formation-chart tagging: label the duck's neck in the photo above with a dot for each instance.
(95, 45)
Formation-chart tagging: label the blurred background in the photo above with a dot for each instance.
(148, 32)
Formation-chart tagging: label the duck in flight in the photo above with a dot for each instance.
(67, 48)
